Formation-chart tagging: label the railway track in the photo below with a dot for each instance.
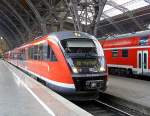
(99, 108)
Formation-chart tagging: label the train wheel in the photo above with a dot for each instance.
(110, 70)
(41, 81)
(129, 73)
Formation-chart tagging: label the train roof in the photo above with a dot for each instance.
(61, 36)
(71, 34)
(134, 34)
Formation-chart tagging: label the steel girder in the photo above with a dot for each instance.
(11, 16)
(28, 14)
(10, 30)
(48, 5)
(101, 4)
(72, 6)
(62, 21)
(124, 10)
(38, 16)
(110, 20)
(6, 39)
(52, 13)
(7, 36)
(26, 11)
(14, 25)
(18, 16)
(87, 12)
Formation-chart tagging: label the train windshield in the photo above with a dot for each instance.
(82, 55)
(79, 48)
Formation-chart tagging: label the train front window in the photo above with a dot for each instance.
(83, 55)
(80, 48)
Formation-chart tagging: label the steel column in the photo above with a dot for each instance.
(38, 16)
(16, 13)
(101, 4)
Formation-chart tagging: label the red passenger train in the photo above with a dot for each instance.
(70, 63)
(128, 53)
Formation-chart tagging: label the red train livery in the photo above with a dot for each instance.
(70, 63)
(128, 53)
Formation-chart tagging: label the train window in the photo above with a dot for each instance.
(40, 52)
(22, 54)
(124, 53)
(35, 54)
(114, 53)
(45, 51)
(51, 55)
(140, 61)
(14, 56)
(145, 61)
(143, 40)
(30, 53)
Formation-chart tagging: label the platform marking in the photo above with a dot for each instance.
(33, 94)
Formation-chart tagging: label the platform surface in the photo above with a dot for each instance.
(14, 99)
(134, 90)
(22, 96)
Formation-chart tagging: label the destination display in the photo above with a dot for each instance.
(85, 62)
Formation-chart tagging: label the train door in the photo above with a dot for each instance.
(142, 62)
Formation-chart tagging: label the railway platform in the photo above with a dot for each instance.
(21, 95)
(131, 92)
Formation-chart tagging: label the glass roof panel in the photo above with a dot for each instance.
(129, 4)
(112, 12)
(135, 4)
(101, 18)
(69, 17)
(83, 22)
(120, 2)
(107, 7)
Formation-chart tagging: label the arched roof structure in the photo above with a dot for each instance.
(23, 20)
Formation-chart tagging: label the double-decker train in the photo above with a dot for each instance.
(128, 54)
(70, 63)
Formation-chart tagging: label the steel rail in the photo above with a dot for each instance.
(114, 108)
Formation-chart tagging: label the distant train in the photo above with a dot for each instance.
(128, 54)
(70, 63)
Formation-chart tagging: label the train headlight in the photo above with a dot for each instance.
(102, 69)
(74, 69)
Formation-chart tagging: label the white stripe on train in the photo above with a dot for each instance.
(133, 47)
(127, 67)
(60, 84)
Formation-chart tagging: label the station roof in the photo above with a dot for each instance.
(116, 7)
(113, 8)
(117, 16)
(22, 20)
(124, 16)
